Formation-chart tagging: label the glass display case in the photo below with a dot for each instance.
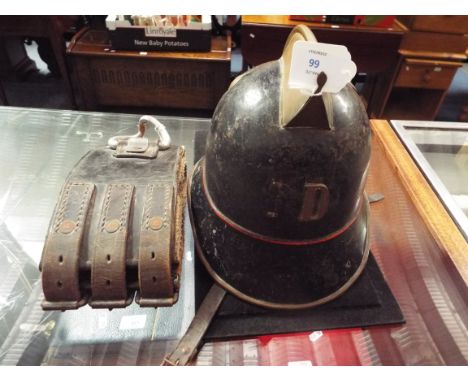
(39, 147)
(441, 151)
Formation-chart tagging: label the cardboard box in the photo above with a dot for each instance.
(185, 33)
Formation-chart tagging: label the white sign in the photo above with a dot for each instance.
(309, 59)
(132, 322)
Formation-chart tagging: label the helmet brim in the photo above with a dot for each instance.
(272, 275)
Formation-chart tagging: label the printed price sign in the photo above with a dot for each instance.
(309, 59)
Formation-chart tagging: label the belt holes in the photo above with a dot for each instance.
(60, 259)
(108, 282)
(153, 256)
(154, 279)
(108, 258)
(59, 283)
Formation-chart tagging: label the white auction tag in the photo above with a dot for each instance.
(314, 336)
(132, 322)
(309, 59)
(102, 320)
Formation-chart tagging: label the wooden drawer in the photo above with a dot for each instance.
(426, 74)
(444, 24)
(435, 42)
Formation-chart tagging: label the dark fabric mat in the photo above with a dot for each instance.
(368, 302)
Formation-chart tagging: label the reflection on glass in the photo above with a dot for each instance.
(441, 151)
(447, 152)
(38, 148)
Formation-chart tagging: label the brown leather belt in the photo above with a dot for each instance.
(188, 346)
(155, 255)
(108, 271)
(61, 256)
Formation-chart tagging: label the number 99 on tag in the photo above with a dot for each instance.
(314, 63)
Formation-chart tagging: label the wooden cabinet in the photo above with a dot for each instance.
(373, 49)
(426, 74)
(432, 50)
(443, 24)
(435, 42)
(50, 28)
(420, 88)
(105, 78)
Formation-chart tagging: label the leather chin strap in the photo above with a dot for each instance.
(188, 346)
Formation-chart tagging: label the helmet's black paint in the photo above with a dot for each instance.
(279, 274)
(256, 171)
